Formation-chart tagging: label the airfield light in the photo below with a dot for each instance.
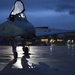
(44, 40)
(72, 41)
(59, 40)
(52, 41)
(68, 41)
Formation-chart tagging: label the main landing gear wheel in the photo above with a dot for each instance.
(26, 50)
(15, 54)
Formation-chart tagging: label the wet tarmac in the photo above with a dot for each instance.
(42, 60)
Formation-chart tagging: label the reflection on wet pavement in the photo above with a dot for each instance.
(42, 60)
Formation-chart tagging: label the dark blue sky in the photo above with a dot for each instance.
(52, 13)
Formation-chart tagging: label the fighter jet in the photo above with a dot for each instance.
(18, 29)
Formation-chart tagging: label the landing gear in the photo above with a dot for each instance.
(26, 50)
(14, 50)
(15, 55)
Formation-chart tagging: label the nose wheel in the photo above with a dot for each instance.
(26, 50)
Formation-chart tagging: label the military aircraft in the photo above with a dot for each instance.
(18, 29)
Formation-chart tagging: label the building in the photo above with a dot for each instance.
(55, 38)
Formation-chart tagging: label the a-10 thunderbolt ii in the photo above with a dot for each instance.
(18, 29)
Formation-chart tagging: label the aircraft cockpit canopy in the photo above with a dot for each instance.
(18, 9)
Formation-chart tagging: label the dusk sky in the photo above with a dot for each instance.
(53, 13)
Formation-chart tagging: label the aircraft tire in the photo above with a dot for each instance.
(26, 50)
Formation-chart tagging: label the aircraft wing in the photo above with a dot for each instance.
(52, 32)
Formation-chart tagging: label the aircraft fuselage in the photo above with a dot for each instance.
(21, 28)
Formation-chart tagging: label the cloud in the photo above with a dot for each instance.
(65, 8)
(57, 5)
(53, 13)
(33, 5)
(72, 12)
(37, 5)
